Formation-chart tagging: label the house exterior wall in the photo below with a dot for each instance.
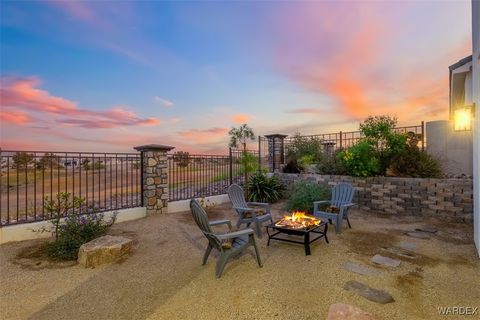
(476, 126)
(452, 148)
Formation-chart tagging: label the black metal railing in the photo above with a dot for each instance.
(341, 140)
(191, 176)
(107, 181)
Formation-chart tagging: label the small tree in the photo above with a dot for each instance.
(86, 164)
(379, 132)
(181, 158)
(22, 159)
(48, 160)
(239, 137)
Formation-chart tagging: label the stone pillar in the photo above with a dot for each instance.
(276, 151)
(154, 177)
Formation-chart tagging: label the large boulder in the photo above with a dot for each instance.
(341, 311)
(103, 250)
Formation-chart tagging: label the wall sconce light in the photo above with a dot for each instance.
(463, 118)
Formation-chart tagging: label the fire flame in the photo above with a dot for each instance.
(298, 220)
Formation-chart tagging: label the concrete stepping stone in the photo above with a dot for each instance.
(103, 250)
(431, 230)
(400, 252)
(408, 245)
(369, 293)
(342, 311)
(385, 261)
(418, 235)
(360, 269)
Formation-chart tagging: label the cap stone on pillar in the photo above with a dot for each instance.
(154, 147)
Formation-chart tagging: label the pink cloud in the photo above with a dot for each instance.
(22, 93)
(359, 65)
(204, 135)
(15, 117)
(241, 118)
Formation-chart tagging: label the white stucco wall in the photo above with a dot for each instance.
(452, 148)
(476, 126)
(25, 231)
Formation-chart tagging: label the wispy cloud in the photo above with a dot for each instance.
(14, 117)
(306, 111)
(204, 135)
(241, 118)
(164, 102)
(18, 93)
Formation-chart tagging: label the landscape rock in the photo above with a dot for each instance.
(341, 311)
(408, 245)
(360, 269)
(427, 229)
(385, 261)
(369, 293)
(400, 252)
(418, 234)
(103, 250)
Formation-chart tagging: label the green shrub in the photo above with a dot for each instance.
(306, 160)
(304, 150)
(331, 164)
(412, 162)
(360, 160)
(379, 132)
(76, 229)
(303, 195)
(248, 163)
(264, 189)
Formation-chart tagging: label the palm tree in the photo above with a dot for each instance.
(240, 136)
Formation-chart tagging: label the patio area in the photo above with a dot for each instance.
(163, 278)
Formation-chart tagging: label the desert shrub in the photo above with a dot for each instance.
(415, 163)
(360, 160)
(305, 150)
(306, 160)
(292, 166)
(76, 229)
(303, 194)
(331, 164)
(262, 188)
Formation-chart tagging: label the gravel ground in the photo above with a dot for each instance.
(163, 278)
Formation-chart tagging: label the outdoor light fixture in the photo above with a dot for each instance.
(463, 118)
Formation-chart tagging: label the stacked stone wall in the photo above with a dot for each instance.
(448, 199)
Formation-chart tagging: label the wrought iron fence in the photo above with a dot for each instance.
(340, 140)
(191, 176)
(107, 181)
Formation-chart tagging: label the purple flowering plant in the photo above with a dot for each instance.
(71, 226)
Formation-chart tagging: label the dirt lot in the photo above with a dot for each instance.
(164, 279)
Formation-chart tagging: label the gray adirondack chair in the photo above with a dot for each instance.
(247, 213)
(342, 195)
(241, 240)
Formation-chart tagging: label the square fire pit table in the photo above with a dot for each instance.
(319, 230)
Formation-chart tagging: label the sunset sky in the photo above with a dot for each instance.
(110, 75)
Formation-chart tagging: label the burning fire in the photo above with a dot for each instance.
(298, 220)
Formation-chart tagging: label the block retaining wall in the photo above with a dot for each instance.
(448, 199)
